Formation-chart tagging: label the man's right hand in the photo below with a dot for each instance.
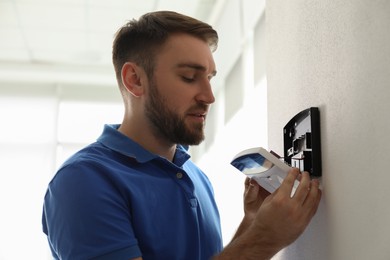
(282, 217)
(279, 221)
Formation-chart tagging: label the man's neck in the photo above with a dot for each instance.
(149, 141)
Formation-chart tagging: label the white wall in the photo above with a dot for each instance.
(335, 54)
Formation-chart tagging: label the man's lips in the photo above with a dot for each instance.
(198, 115)
(199, 111)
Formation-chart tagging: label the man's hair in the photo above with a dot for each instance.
(139, 40)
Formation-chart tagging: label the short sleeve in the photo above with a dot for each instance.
(86, 215)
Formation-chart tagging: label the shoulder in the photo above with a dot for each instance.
(92, 170)
(91, 160)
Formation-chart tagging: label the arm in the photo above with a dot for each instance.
(278, 222)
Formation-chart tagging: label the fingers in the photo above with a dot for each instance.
(247, 182)
(313, 198)
(304, 188)
(251, 189)
(288, 183)
(307, 194)
(254, 196)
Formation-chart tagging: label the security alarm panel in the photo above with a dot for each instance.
(302, 150)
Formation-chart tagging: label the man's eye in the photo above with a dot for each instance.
(189, 80)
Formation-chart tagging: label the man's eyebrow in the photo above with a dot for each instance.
(195, 67)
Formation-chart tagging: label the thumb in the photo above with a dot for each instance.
(251, 190)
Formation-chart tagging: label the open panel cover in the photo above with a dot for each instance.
(302, 143)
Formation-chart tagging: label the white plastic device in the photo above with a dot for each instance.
(264, 167)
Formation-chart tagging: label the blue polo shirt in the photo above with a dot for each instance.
(115, 200)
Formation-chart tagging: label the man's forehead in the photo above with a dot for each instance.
(184, 50)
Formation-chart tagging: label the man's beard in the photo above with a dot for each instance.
(170, 125)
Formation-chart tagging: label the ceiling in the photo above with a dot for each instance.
(70, 40)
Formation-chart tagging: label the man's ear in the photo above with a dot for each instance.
(131, 78)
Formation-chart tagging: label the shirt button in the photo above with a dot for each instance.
(179, 175)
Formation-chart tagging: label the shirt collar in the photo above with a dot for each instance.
(120, 143)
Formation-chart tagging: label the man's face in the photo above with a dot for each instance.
(179, 94)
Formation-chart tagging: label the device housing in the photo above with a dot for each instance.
(302, 142)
